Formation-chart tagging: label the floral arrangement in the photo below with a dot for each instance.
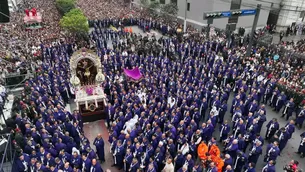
(89, 90)
(74, 80)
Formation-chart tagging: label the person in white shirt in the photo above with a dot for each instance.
(130, 124)
(169, 167)
(185, 148)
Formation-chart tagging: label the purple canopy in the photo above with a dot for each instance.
(133, 73)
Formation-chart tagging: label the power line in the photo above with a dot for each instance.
(270, 9)
(278, 4)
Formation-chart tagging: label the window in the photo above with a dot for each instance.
(302, 14)
(174, 1)
(162, 1)
(188, 6)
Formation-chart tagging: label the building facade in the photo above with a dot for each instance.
(281, 13)
(292, 11)
(197, 8)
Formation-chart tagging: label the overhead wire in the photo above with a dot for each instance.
(267, 9)
(279, 3)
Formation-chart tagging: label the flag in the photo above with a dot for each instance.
(113, 28)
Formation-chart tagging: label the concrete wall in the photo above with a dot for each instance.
(291, 12)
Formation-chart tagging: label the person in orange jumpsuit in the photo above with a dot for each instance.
(202, 150)
(208, 160)
(219, 163)
(214, 151)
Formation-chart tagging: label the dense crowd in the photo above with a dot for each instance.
(94, 10)
(16, 43)
(170, 105)
(167, 120)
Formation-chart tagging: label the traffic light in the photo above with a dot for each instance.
(256, 35)
(241, 31)
(213, 15)
(236, 13)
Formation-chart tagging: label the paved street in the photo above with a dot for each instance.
(295, 38)
(289, 152)
(292, 146)
(92, 129)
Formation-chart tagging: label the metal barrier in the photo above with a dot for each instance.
(15, 80)
(266, 39)
(7, 155)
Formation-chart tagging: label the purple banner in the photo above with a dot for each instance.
(133, 73)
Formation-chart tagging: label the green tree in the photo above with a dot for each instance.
(144, 3)
(169, 12)
(65, 6)
(154, 9)
(75, 23)
(150, 7)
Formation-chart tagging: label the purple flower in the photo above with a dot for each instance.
(89, 91)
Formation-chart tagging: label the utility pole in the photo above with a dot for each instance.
(249, 48)
(210, 21)
(185, 15)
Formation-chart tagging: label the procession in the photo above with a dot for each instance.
(168, 102)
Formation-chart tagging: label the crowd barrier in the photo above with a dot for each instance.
(15, 80)
(7, 153)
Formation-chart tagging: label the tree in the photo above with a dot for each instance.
(154, 9)
(65, 6)
(169, 12)
(144, 3)
(151, 7)
(75, 22)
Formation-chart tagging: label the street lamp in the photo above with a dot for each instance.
(185, 14)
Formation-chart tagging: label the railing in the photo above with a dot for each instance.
(265, 40)
(7, 155)
(15, 80)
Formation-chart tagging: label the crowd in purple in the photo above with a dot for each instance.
(160, 120)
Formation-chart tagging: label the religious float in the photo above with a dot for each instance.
(32, 19)
(87, 78)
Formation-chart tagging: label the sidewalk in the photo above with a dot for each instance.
(276, 38)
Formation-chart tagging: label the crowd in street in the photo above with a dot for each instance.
(188, 91)
(16, 43)
(168, 120)
(94, 10)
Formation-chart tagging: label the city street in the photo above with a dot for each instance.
(287, 154)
